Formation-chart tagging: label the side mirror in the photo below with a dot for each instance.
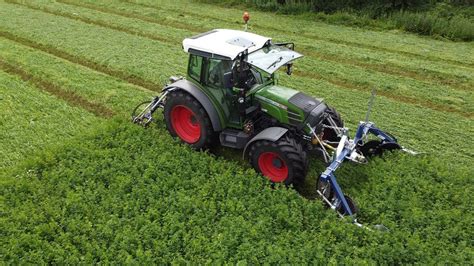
(289, 69)
(228, 82)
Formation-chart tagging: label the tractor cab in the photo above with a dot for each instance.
(235, 58)
(230, 65)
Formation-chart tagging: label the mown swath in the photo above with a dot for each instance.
(93, 22)
(337, 81)
(134, 16)
(311, 36)
(425, 75)
(130, 78)
(68, 96)
(398, 97)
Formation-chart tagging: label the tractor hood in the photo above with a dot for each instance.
(271, 58)
(290, 106)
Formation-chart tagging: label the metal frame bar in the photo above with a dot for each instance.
(349, 147)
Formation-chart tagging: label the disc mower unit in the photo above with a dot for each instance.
(231, 97)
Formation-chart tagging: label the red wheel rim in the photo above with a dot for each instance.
(185, 124)
(273, 167)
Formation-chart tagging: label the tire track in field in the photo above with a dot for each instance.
(427, 76)
(92, 22)
(130, 78)
(310, 36)
(177, 25)
(396, 97)
(68, 96)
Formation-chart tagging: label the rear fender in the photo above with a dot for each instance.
(202, 98)
(271, 134)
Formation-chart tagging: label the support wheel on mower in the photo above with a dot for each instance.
(284, 161)
(352, 206)
(186, 119)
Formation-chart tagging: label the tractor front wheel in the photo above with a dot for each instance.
(284, 161)
(186, 119)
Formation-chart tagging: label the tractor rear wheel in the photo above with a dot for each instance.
(284, 161)
(186, 119)
(329, 133)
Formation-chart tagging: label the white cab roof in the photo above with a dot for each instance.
(224, 43)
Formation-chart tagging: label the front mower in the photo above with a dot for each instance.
(231, 97)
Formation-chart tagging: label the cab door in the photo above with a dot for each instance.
(213, 81)
(208, 74)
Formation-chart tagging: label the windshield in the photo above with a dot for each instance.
(271, 58)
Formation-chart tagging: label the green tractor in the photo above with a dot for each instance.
(231, 96)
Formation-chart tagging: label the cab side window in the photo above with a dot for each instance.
(194, 69)
(215, 72)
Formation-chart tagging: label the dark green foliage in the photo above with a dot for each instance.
(448, 19)
(124, 194)
(376, 6)
(456, 27)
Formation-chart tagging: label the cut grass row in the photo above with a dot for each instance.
(325, 70)
(398, 43)
(68, 96)
(411, 91)
(31, 120)
(425, 70)
(78, 84)
(121, 194)
(425, 126)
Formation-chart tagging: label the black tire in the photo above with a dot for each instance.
(182, 99)
(290, 152)
(352, 206)
(330, 134)
(377, 148)
(325, 188)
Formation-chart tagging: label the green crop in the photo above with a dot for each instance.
(121, 193)
(76, 192)
(31, 120)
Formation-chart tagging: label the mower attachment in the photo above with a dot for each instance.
(356, 150)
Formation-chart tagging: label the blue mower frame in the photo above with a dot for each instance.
(349, 149)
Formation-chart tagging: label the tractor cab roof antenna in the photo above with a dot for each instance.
(371, 102)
